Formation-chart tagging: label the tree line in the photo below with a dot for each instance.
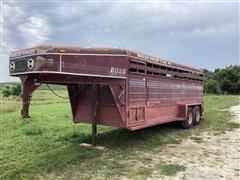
(222, 81)
(13, 89)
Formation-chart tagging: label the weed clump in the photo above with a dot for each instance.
(171, 169)
(33, 130)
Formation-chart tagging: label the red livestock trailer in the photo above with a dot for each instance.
(114, 87)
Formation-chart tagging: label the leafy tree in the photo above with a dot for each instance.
(16, 90)
(6, 92)
(210, 86)
(12, 90)
(223, 81)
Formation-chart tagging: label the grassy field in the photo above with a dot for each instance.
(47, 145)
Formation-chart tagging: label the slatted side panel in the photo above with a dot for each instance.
(154, 100)
(168, 91)
(137, 92)
(137, 99)
(148, 91)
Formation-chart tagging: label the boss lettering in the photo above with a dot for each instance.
(118, 71)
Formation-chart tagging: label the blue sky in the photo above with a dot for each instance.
(201, 34)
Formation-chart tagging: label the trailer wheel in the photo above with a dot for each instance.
(188, 123)
(196, 115)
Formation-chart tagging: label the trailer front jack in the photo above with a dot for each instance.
(30, 84)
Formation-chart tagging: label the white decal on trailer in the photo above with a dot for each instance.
(118, 71)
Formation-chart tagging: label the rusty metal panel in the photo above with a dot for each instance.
(97, 65)
(136, 116)
(107, 111)
(37, 63)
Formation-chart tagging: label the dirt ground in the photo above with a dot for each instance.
(214, 157)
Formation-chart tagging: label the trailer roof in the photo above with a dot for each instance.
(90, 50)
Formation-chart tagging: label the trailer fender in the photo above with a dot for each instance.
(183, 108)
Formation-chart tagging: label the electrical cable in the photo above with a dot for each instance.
(55, 93)
(62, 96)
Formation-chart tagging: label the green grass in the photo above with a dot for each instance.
(216, 120)
(170, 169)
(197, 139)
(47, 145)
(39, 97)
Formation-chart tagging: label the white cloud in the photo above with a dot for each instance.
(19, 30)
(68, 10)
(12, 15)
(35, 31)
(216, 31)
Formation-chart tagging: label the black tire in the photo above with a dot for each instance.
(188, 123)
(196, 115)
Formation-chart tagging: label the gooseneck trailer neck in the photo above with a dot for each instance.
(114, 87)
